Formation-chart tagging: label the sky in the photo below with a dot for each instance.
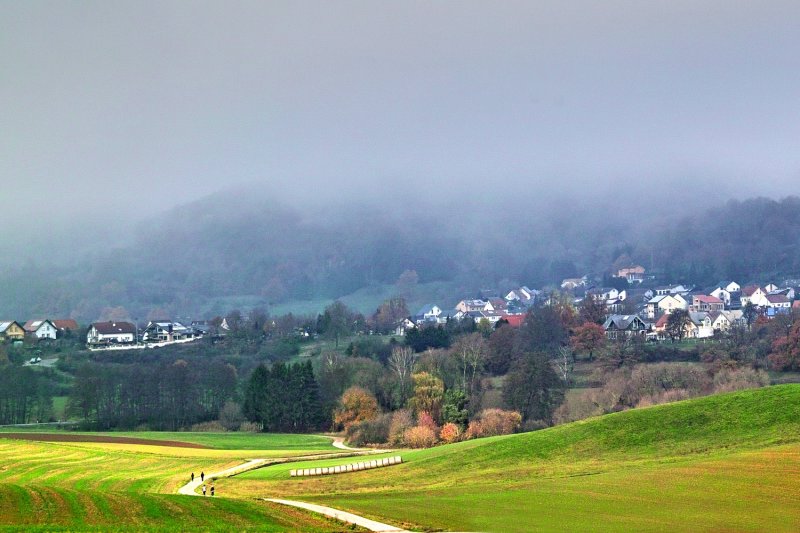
(121, 109)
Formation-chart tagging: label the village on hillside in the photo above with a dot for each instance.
(641, 308)
(106, 334)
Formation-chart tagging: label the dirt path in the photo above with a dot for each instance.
(350, 518)
(190, 489)
(338, 442)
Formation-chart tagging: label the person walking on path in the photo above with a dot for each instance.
(204, 490)
(212, 490)
(192, 476)
(202, 476)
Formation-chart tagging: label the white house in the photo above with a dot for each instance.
(755, 295)
(665, 303)
(523, 294)
(724, 321)
(723, 294)
(777, 301)
(466, 306)
(429, 312)
(701, 326)
(41, 329)
(733, 287)
(111, 333)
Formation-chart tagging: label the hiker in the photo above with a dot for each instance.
(202, 476)
(212, 490)
(192, 476)
(204, 490)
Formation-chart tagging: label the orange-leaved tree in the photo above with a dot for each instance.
(355, 405)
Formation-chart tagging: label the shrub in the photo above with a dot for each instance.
(230, 416)
(652, 380)
(369, 431)
(212, 426)
(401, 421)
(728, 380)
(419, 437)
(492, 422)
(425, 419)
(668, 396)
(250, 427)
(450, 433)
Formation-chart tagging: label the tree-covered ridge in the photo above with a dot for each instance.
(196, 258)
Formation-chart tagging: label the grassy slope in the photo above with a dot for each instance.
(117, 487)
(723, 462)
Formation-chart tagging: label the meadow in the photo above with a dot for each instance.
(727, 462)
(110, 486)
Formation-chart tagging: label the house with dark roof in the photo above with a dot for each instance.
(617, 326)
(167, 331)
(111, 333)
(66, 326)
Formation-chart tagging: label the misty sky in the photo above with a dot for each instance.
(132, 107)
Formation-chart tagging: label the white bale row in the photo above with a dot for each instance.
(341, 469)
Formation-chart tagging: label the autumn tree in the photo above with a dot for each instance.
(389, 314)
(356, 405)
(588, 338)
(786, 350)
(428, 395)
(592, 309)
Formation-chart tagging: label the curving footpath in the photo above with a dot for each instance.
(338, 442)
(190, 489)
(350, 518)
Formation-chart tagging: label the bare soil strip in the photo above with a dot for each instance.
(104, 439)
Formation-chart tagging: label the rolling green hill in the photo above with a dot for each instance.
(723, 462)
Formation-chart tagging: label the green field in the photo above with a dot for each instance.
(109, 487)
(728, 462)
(722, 463)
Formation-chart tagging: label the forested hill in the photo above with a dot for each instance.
(266, 253)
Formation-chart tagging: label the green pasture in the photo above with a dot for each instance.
(727, 462)
(54, 486)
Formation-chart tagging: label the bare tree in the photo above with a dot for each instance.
(565, 363)
(471, 353)
(402, 363)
